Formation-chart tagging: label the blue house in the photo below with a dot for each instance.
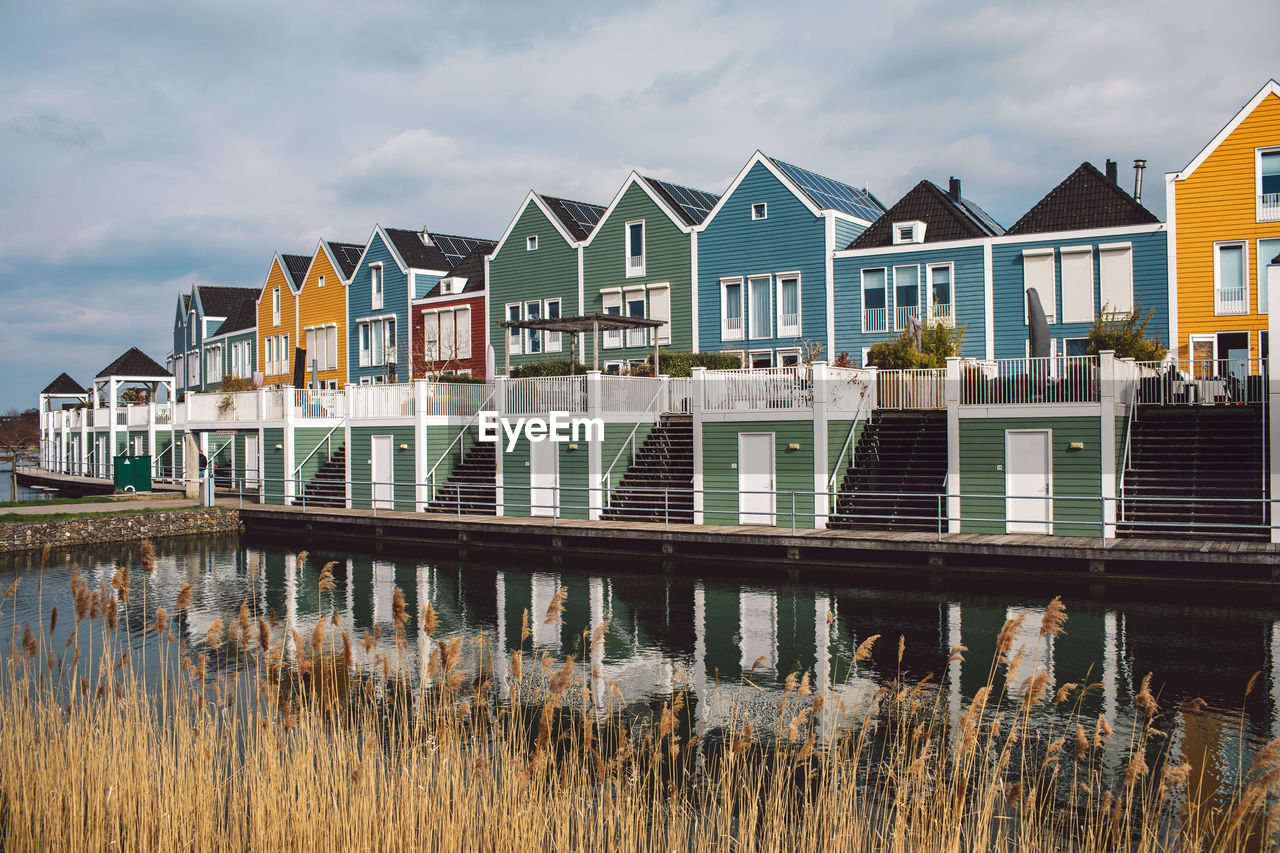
(197, 316)
(397, 266)
(1086, 248)
(764, 260)
(927, 258)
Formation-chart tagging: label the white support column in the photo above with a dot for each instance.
(1107, 381)
(821, 433)
(421, 456)
(151, 438)
(695, 407)
(595, 462)
(1273, 397)
(111, 429)
(499, 408)
(86, 416)
(290, 488)
(952, 394)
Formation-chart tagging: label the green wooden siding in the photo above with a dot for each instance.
(616, 437)
(667, 252)
(515, 480)
(793, 470)
(1076, 473)
(402, 466)
(272, 466)
(438, 444)
(573, 479)
(518, 275)
(306, 440)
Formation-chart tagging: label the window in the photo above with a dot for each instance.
(513, 334)
(1077, 284)
(906, 295)
(1268, 250)
(1269, 185)
(284, 354)
(275, 306)
(1039, 274)
(193, 371)
(789, 305)
(551, 310)
(660, 309)
(378, 343)
(191, 326)
(213, 363)
(531, 242)
(375, 287)
(533, 338)
(788, 358)
(760, 210)
(635, 308)
(1075, 346)
(762, 359)
(731, 309)
(269, 356)
(908, 232)
(940, 308)
(1230, 287)
(1115, 277)
(322, 347)
(462, 321)
(320, 281)
(611, 302)
(635, 248)
(760, 306)
(874, 314)
(430, 336)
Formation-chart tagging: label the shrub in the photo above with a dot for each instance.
(1126, 334)
(555, 367)
(682, 363)
(459, 378)
(938, 342)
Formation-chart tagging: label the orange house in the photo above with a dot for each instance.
(322, 312)
(278, 318)
(1224, 232)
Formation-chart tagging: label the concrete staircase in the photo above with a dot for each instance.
(471, 487)
(328, 488)
(901, 469)
(659, 485)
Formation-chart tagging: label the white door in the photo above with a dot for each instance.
(1028, 481)
(137, 445)
(103, 458)
(251, 462)
(756, 500)
(380, 466)
(544, 477)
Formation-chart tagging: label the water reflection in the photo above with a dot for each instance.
(729, 643)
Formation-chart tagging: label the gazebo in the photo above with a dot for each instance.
(133, 367)
(62, 388)
(574, 326)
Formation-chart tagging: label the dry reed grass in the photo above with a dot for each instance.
(300, 750)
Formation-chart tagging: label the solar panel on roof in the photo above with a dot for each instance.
(586, 216)
(832, 195)
(695, 204)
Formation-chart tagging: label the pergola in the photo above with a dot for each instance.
(580, 325)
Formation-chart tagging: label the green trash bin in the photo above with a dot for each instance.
(132, 473)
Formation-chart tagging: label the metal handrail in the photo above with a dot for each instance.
(604, 478)
(324, 440)
(1128, 444)
(848, 439)
(431, 475)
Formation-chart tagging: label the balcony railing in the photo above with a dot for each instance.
(733, 328)
(308, 403)
(875, 319)
(1017, 381)
(766, 389)
(1269, 207)
(540, 395)
(917, 388)
(790, 324)
(380, 401)
(1209, 382)
(635, 262)
(1231, 300)
(902, 314)
(942, 313)
(457, 399)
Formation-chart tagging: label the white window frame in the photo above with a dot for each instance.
(1264, 261)
(611, 297)
(319, 281)
(783, 354)
(1220, 308)
(900, 236)
(932, 314)
(727, 334)
(764, 353)
(515, 337)
(532, 335)
(759, 210)
(768, 286)
(1110, 256)
(1272, 213)
(793, 331)
(1071, 256)
(1066, 341)
(275, 306)
(552, 341)
(531, 243)
(377, 286)
(636, 337)
(634, 263)
(899, 326)
(191, 328)
(1051, 310)
(887, 325)
(664, 331)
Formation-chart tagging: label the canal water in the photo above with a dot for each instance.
(728, 642)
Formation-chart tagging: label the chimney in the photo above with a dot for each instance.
(1138, 166)
(1112, 174)
(953, 189)
(426, 236)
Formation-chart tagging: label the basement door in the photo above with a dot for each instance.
(755, 478)
(380, 468)
(1028, 481)
(544, 478)
(251, 462)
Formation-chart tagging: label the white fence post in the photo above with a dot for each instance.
(821, 381)
(1273, 397)
(420, 454)
(697, 390)
(1107, 382)
(951, 393)
(595, 453)
(499, 408)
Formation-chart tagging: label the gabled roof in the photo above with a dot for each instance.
(296, 266)
(217, 301)
(945, 217)
(443, 252)
(186, 302)
(692, 205)
(347, 256)
(1084, 200)
(135, 364)
(472, 268)
(578, 217)
(64, 386)
(1271, 87)
(244, 317)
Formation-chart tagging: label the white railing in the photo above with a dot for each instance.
(627, 394)
(875, 319)
(235, 406)
(538, 395)
(916, 388)
(380, 401)
(455, 399)
(903, 313)
(101, 417)
(732, 328)
(637, 337)
(1269, 207)
(1231, 300)
(122, 417)
(848, 387)
(789, 325)
(680, 394)
(1016, 381)
(1207, 382)
(139, 415)
(635, 262)
(309, 403)
(757, 389)
(164, 413)
(940, 313)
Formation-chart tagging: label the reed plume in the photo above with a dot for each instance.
(863, 651)
(1055, 617)
(161, 622)
(326, 576)
(184, 598)
(148, 556)
(556, 607)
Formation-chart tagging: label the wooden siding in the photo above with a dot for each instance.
(847, 232)
(318, 306)
(1150, 287)
(402, 466)
(790, 239)
(288, 322)
(615, 438)
(1219, 203)
(442, 453)
(479, 327)
(517, 274)
(1076, 473)
(968, 289)
(307, 439)
(395, 301)
(793, 470)
(515, 479)
(272, 462)
(667, 252)
(837, 435)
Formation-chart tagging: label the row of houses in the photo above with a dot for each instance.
(783, 264)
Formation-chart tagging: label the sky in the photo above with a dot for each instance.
(148, 146)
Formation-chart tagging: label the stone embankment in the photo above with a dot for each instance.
(93, 529)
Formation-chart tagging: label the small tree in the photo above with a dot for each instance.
(19, 436)
(938, 342)
(1126, 334)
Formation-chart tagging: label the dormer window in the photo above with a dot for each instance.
(760, 210)
(908, 232)
(531, 242)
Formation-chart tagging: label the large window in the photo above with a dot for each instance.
(532, 337)
(1115, 277)
(1230, 286)
(1268, 184)
(906, 295)
(213, 363)
(660, 309)
(1039, 273)
(635, 308)
(635, 248)
(322, 347)
(760, 310)
(514, 339)
(940, 292)
(731, 309)
(447, 334)
(1077, 284)
(375, 287)
(378, 344)
(1268, 250)
(551, 310)
(789, 305)
(874, 306)
(611, 301)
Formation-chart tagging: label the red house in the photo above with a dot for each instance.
(449, 323)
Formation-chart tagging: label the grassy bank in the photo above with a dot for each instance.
(41, 518)
(303, 747)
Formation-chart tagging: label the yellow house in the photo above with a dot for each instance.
(1224, 231)
(322, 312)
(278, 318)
